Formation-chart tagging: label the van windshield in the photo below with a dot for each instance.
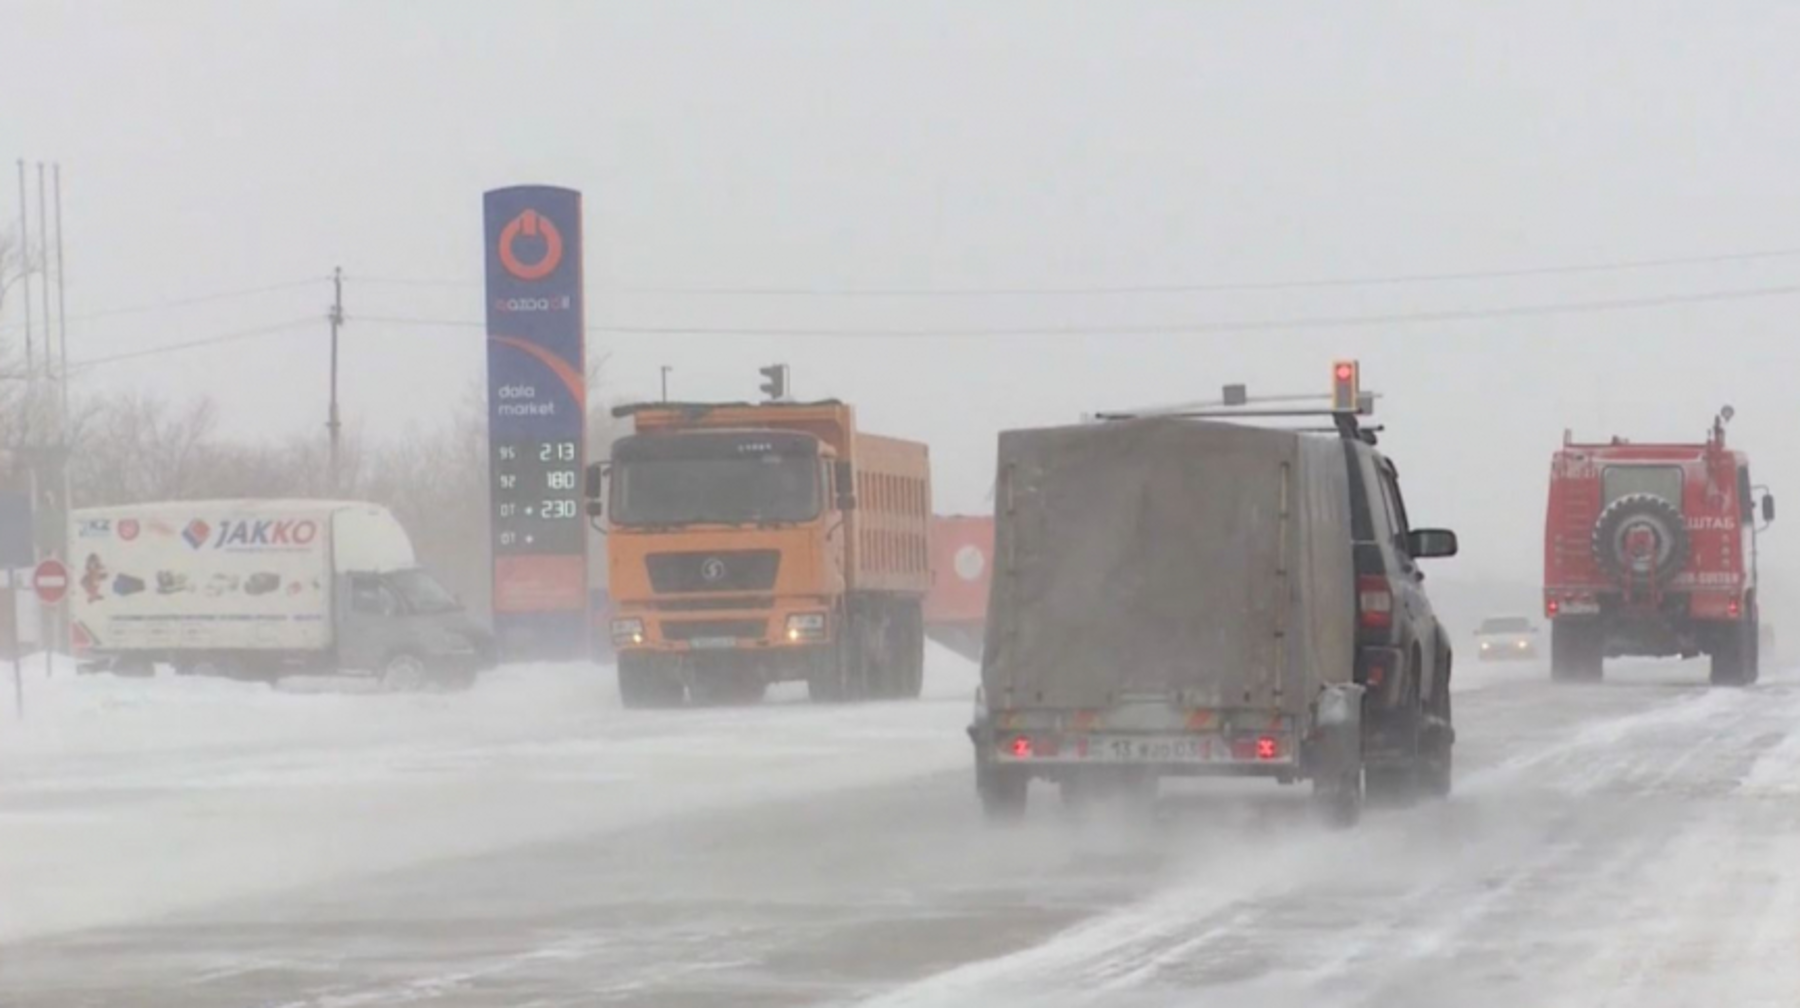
(1505, 624)
(422, 593)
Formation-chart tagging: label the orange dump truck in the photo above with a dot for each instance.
(757, 543)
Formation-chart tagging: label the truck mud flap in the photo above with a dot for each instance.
(1336, 746)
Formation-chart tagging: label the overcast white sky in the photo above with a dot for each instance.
(210, 147)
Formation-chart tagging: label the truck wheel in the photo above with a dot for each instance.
(884, 654)
(641, 687)
(1437, 772)
(880, 670)
(915, 653)
(1753, 640)
(1732, 654)
(404, 673)
(1338, 799)
(1393, 786)
(1004, 792)
(832, 673)
(1577, 651)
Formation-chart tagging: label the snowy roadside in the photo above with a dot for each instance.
(123, 800)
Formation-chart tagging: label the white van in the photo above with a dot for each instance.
(258, 589)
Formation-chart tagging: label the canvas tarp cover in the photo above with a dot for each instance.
(1207, 562)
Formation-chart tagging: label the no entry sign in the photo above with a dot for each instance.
(51, 581)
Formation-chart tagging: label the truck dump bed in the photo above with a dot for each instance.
(891, 526)
(1207, 563)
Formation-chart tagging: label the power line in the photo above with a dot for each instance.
(1171, 329)
(1617, 266)
(195, 300)
(410, 282)
(210, 341)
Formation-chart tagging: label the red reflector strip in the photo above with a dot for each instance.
(1201, 720)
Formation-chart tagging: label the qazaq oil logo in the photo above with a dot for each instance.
(531, 224)
(196, 533)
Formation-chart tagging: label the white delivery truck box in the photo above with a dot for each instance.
(261, 588)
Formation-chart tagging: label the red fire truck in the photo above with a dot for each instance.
(1650, 550)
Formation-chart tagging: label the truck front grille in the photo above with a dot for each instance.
(730, 570)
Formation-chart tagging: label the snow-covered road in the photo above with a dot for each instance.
(210, 844)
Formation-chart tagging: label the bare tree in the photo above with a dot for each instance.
(139, 447)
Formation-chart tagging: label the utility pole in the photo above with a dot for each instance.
(665, 382)
(62, 314)
(53, 539)
(25, 277)
(332, 422)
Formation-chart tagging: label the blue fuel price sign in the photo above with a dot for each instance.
(537, 498)
(536, 418)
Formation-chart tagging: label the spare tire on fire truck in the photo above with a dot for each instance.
(1642, 539)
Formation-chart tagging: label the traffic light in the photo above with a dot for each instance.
(1346, 387)
(776, 388)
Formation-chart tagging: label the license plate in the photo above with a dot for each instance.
(1579, 608)
(713, 643)
(1161, 749)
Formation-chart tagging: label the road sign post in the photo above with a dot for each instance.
(9, 622)
(50, 581)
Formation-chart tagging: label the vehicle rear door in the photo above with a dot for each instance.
(1412, 605)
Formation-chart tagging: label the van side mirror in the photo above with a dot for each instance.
(844, 478)
(1431, 544)
(1768, 508)
(594, 487)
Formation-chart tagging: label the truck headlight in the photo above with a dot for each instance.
(806, 627)
(628, 631)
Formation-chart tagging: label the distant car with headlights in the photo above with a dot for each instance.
(1506, 638)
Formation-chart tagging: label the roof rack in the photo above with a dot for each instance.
(1237, 405)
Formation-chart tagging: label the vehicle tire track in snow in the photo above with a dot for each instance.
(1286, 911)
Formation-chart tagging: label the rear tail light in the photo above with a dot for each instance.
(1734, 608)
(1021, 747)
(1374, 602)
(1262, 748)
(1552, 607)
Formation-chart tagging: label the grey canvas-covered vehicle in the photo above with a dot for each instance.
(1181, 597)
